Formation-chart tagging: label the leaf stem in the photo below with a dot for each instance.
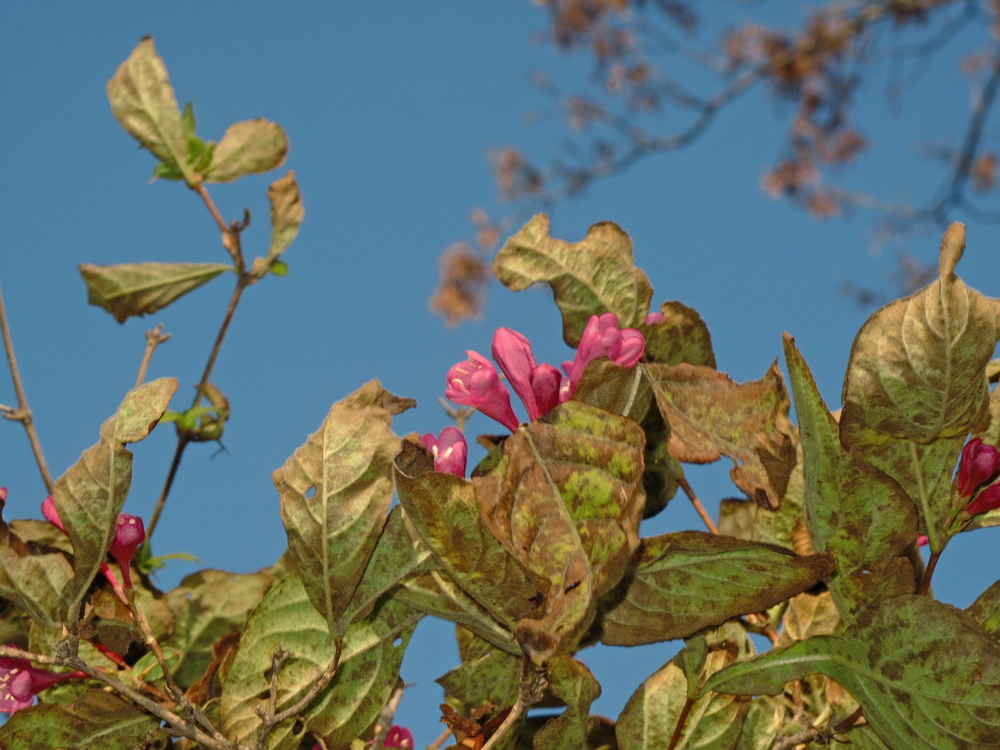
(153, 339)
(925, 510)
(23, 412)
(271, 717)
(699, 508)
(925, 583)
(681, 721)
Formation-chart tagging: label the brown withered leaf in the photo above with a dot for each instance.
(689, 580)
(711, 416)
(565, 499)
(208, 685)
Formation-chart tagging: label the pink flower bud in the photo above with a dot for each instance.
(474, 382)
(129, 534)
(536, 385)
(985, 501)
(922, 540)
(3, 494)
(652, 318)
(450, 450)
(399, 737)
(978, 463)
(601, 337)
(51, 514)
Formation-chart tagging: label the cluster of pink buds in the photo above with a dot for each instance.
(541, 387)
(129, 534)
(979, 463)
(20, 682)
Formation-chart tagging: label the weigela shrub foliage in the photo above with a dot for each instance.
(538, 553)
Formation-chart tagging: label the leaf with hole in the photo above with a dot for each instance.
(335, 492)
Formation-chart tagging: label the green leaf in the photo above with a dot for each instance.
(208, 605)
(918, 365)
(565, 500)
(486, 675)
(434, 593)
(335, 495)
(34, 576)
(143, 101)
(369, 667)
(714, 721)
(688, 580)
(711, 416)
(443, 512)
(89, 496)
(986, 610)
(925, 674)
(189, 124)
(248, 147)
(96, 721)
(589, 277)
(572, 683)
(131, 289)
(916, 386)
(287, 213)
(279, 268)
(853, 510)
(398, 554)
(681, 336)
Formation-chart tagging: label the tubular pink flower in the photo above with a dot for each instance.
(450, 450)
(978, 463)
(601, 337)
(399, 737)
(474, 382)
(20, 683)
(536, 385)
(985, 501)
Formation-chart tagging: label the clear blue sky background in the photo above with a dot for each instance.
(390, 109)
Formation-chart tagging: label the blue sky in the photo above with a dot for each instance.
(390, 110)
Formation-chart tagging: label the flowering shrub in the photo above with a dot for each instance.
(538, 553)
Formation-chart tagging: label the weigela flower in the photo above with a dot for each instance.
(399, 737)
(474, 382)
(129, 534)
(536, 385)
(450, 450)
(978, 463)
(20, 683)
(985, 501)
(602, 337)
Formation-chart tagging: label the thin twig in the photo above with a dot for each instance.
(23, 413)
(176, 694)
(699, 508)
(528, 695)
(153, 339)
(271, 717)
(171, 474)
(178, 725)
